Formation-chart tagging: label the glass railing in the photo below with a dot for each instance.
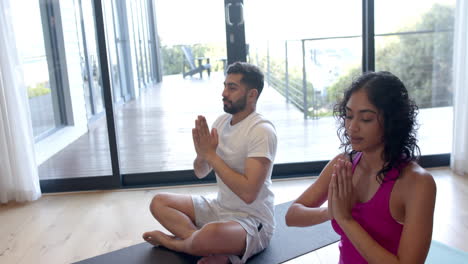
(313, 73)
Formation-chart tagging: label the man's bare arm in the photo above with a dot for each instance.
(248, 185)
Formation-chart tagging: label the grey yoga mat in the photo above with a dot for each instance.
(287, 243)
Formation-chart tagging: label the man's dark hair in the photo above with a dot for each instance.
(252, 76)
(390, 96)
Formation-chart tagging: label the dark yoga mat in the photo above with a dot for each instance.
(287, 243)
(291, 242)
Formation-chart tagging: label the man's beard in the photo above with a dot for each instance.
(236, 106)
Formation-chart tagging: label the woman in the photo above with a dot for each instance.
(380, 200)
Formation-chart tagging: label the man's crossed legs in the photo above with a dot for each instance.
(214, 241)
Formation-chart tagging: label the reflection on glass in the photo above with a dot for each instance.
(112, 28)
(94, 80)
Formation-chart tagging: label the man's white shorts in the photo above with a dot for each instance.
(208, 210)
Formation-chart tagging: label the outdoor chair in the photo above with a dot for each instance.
(189, 62)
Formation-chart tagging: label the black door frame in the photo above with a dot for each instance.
(235, 31)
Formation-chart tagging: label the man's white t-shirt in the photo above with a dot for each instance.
(252, 137)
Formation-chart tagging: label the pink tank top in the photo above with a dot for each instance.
(375, 217)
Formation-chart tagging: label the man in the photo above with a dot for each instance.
(240, 148)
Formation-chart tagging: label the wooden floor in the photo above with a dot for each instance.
(65, 228)
(154, 131)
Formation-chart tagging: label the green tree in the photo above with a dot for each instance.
(423, 61)
(335, 91)
(172, 59)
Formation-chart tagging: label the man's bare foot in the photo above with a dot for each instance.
(156, 237)
(214, 259)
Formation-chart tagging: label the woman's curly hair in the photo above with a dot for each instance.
(390, 96)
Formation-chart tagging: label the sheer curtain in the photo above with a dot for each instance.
(459, 157)
(19, 180)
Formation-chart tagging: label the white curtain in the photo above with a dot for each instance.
(459, 157)
(19, 179)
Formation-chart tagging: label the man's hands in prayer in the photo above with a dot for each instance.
(205, 142)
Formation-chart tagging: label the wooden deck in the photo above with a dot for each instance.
(154, 131)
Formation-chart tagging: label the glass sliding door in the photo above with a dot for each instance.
(166, 64)
(418, 48)
(309, 53)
